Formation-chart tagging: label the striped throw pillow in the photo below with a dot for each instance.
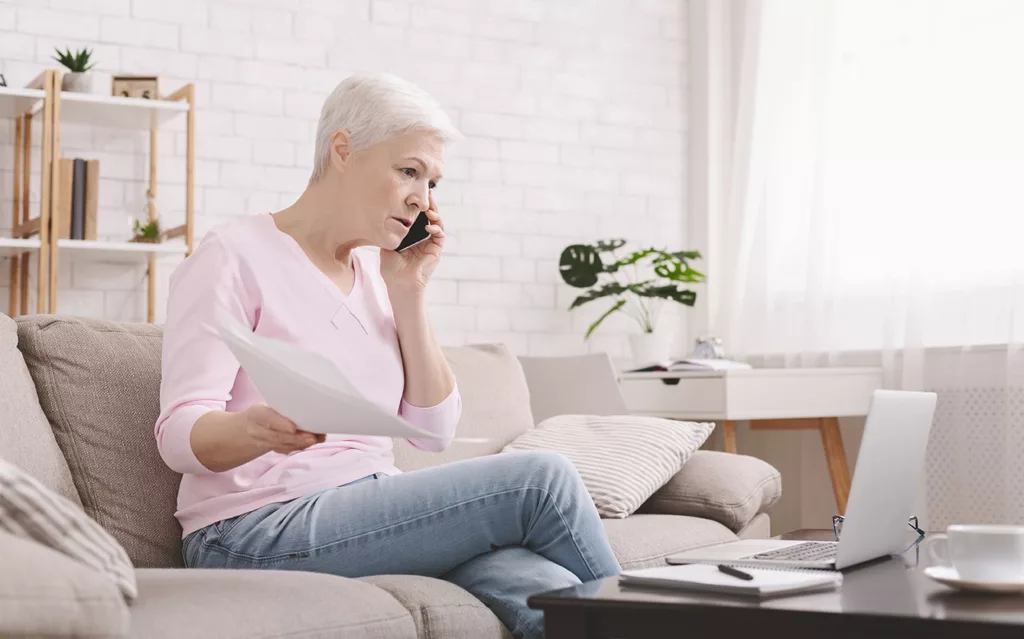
(31, 510)
(622, 459)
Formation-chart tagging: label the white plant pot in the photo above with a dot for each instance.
(77, 82)
(650, 348)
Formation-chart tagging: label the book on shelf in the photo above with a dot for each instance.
(66, 174)
(691, 364)
(92, 198)
(78, 199)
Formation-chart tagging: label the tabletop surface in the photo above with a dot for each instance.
(753, 372)
(895, 586)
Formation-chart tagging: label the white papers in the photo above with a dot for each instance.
(308, 388)
(694, 364)
(767, 582)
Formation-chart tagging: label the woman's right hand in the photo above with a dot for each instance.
(269, 430)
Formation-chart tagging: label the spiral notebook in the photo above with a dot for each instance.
(767, 582)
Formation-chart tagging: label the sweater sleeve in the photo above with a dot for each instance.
(198, 369)
(440, 420)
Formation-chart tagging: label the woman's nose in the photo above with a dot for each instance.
(419, 198)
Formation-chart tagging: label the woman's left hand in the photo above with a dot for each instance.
(410, 270)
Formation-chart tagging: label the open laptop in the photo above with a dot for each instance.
(889, 465)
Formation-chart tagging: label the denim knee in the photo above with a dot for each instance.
(556, 463)
(551, 467)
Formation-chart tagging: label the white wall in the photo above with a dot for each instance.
(574, 112)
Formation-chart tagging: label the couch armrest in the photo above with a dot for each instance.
(44, 592)
(730, 489)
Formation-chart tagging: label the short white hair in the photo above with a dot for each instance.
(374, 108)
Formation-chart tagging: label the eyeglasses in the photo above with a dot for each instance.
(837, 528)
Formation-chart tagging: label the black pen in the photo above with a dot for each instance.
(739, 574)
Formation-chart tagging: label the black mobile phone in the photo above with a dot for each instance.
(417, 232)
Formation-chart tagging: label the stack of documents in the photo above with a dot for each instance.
(308, 388)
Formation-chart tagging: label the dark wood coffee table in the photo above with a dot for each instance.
(886, 598)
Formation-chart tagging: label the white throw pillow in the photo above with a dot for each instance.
(31, 510)
(622, 459)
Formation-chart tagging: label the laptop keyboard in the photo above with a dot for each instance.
(807, 551)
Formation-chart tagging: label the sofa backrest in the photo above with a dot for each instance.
(26, 439)
(99, 384)
(495, 406)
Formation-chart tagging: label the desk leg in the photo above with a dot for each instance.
(835, 455)
(831, 441)
(729, 436)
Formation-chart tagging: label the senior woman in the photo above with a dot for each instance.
(256, 490)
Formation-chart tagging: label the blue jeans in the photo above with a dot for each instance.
(504, 527)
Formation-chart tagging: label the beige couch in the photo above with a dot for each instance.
(78, 400)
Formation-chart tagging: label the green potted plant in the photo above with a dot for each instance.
(77, 79)
(638, 283)
(147, 232)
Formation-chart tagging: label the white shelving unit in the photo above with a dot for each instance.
(15, 102)
(120, 251)
(43, 100)
(113, 111)
(29, 239)
(15, 246)
(92, 108)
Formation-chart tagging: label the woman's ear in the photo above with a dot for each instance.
(341, 149)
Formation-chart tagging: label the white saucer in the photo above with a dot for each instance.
(948, 576)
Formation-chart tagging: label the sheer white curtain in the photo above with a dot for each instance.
(875, 214)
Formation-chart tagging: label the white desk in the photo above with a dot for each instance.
(771, 399)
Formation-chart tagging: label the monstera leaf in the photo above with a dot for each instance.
(667, 292)
(686, 255)
(610, 246)
(677, 271)
(635, 257)
(580, 265)
(612, 288)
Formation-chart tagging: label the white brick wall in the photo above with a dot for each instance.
(574, 116)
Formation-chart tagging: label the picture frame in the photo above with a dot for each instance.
(146, 87)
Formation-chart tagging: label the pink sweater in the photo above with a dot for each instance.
(263, 278)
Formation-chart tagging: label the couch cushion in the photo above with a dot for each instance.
(731, 489)
(99, 385)
(760, 527)
(44, 593)
(221, 604)
(26, 439)
(495, 406)
(622, 459)
(441, 609)
(30, 510)
(643, 541)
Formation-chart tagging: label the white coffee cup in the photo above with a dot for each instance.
(980, 552)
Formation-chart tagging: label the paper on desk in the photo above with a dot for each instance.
(695, 364)
(308, 388)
